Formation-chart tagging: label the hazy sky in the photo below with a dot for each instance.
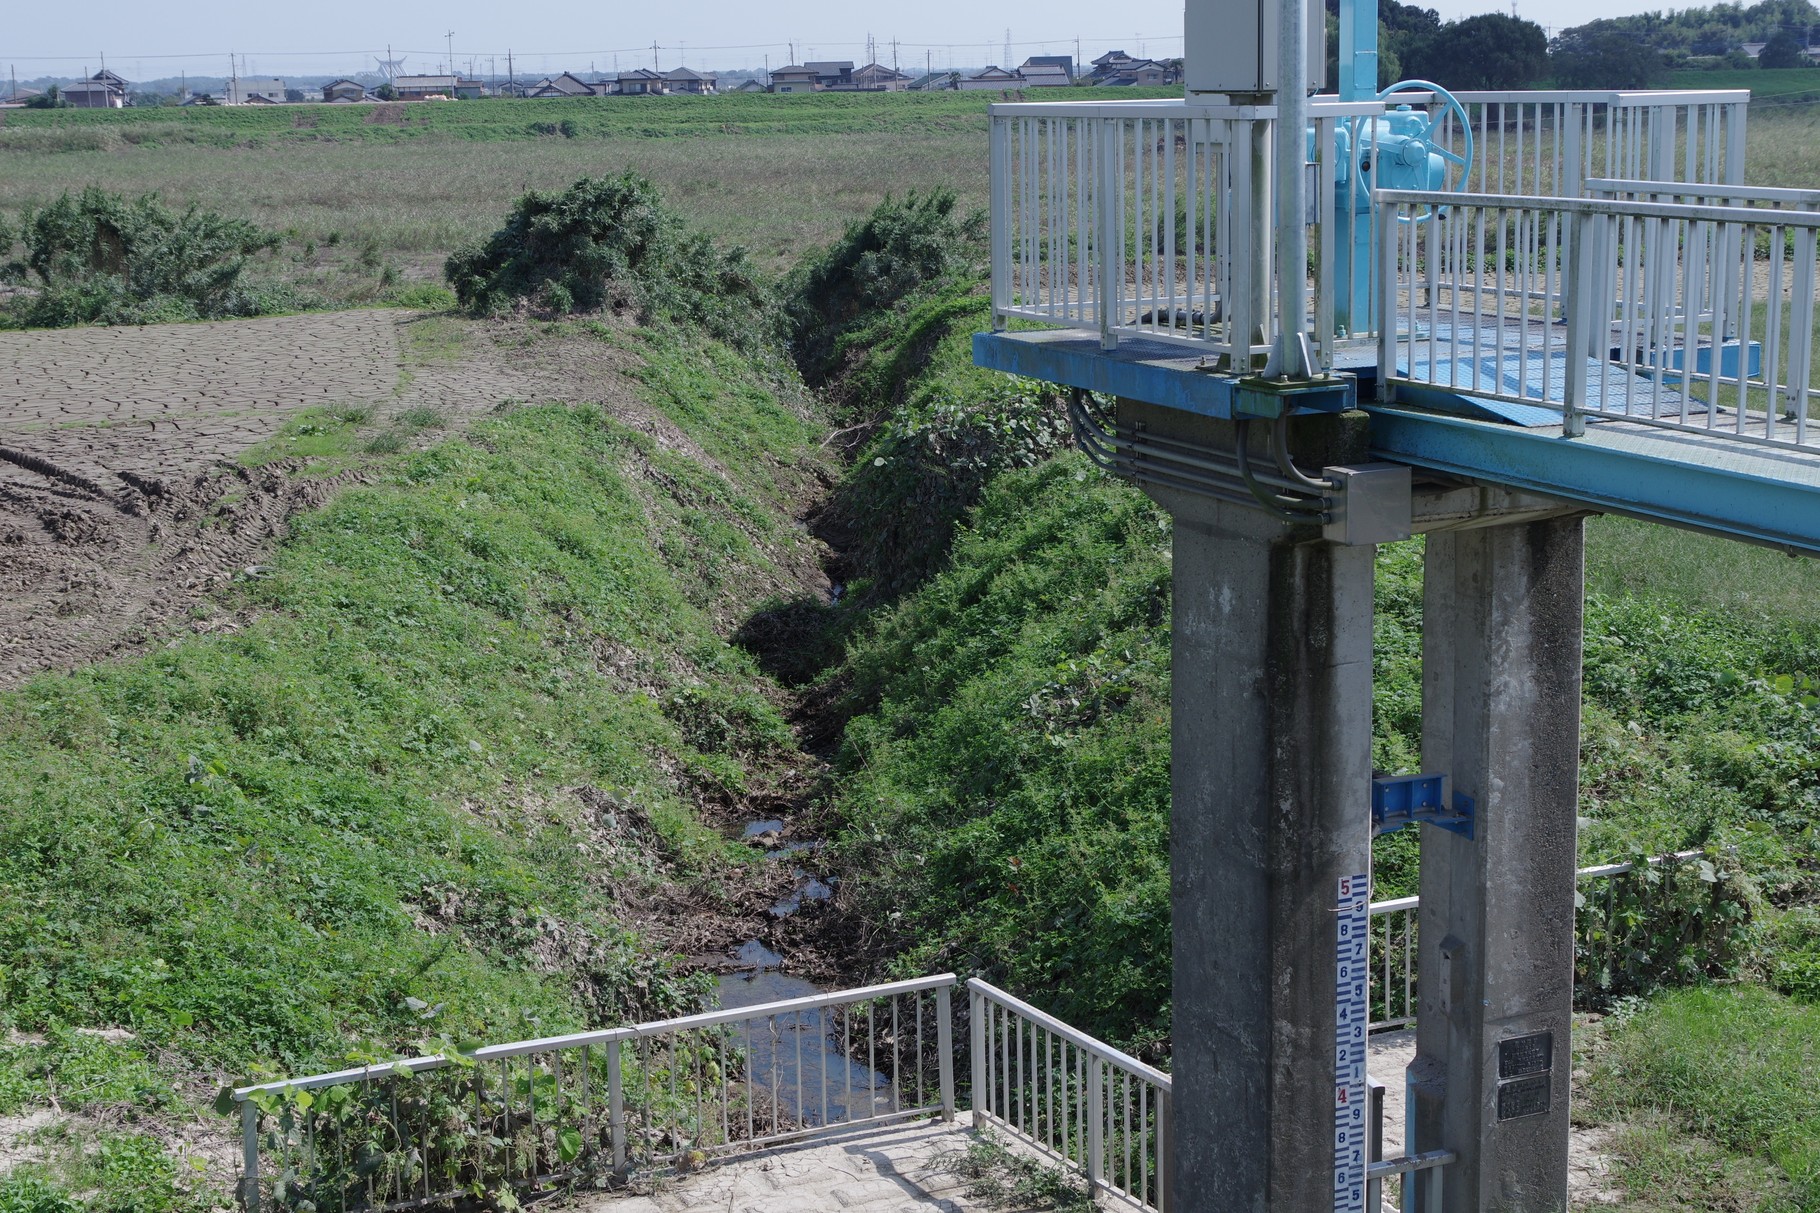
(148, 40)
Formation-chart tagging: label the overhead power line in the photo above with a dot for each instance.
(372, 52)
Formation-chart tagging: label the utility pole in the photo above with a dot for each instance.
(793, 52)
(654, 66)
(894, 67)
(511, 80)
(451, 37)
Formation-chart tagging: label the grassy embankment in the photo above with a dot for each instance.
(454, 769)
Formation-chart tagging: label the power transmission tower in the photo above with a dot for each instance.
(451, 37)
(1007, 62)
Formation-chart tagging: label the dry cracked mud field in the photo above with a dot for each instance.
(121, 498)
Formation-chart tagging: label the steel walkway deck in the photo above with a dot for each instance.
(1703, 481)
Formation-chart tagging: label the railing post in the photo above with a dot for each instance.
(1110, 249)
(616, 1105)
(976, 1034)
(1736, 114)
(1165, 1150)
(1387, 302)
(1096, 1127)
(249, 1160)
(1001, 220)
(1585, 271)
(944, 1049)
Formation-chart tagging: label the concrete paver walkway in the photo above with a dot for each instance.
(892, 1170)
(910, 1168)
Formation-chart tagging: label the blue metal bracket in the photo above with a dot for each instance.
(1400, 800)
(1271, 398)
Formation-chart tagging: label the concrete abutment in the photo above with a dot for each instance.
(1272, 658)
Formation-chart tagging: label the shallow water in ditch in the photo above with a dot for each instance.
(801, 1061)
(797, 1059)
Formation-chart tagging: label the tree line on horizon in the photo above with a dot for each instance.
(1501, 51)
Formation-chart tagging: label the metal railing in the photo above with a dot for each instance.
(671, 1093)
(1070, 1097)
(1549, 143)
(1394, 946)
(1112, 217)
(1689, 317)
(1129, 218)
(1120, 218)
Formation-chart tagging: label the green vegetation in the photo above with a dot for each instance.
(398, 188)
(345, 822)
(100, 258)
(1004, 784)
(744, 114)
(477, 705)
(1005, 1180)
(576, 251)
(1727, 1079)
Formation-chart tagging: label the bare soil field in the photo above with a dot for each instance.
(123, 492)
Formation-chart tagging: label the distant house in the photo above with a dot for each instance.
(796, 78)
(1044, 75)
(835, 74)
(255, 90)
(640, 82)
(749, 86)
(95, 94)
(1753, 49)
(993, 77)
(344, 91)
(1046, 71)
(566, 85)
(682, 80)
(422, 88)
(1117, 69)
(936, 82)
(877, 78)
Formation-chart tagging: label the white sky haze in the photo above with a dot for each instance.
(147, 41)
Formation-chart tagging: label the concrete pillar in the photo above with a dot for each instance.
(1272, 773)
(1500, 714)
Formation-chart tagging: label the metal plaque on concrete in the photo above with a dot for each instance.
(1353, 1012)
(1525, 1075)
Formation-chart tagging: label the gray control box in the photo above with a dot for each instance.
(1231, 46)
(1372, 506)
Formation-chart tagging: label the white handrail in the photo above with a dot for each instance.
(587, 1102)
(1074, 1099)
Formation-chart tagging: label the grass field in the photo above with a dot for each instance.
(1765, 84)
(778, 174)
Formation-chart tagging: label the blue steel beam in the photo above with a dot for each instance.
(1754, 493)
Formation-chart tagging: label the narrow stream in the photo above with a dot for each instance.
(797, 1059)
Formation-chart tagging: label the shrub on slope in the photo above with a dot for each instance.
(100, 258)
(612, 242)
